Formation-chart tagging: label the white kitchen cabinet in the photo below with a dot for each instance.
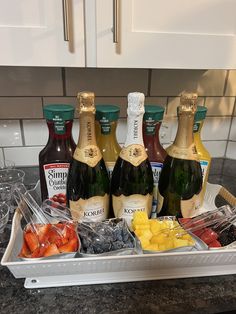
(166, 34)
(32, 33)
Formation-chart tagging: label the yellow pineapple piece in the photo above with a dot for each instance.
(147, 234)
(169, 244)
(140, 217)
(152, 247)
(180, 242)
(144, 242)
(159, 239)
(138, 232)
(154, 226)
(162, 247)
(142, 227)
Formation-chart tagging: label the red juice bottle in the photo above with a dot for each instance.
(156, 153)
(55, 158)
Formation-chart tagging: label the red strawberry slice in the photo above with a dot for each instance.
(43, 232)
(215, 244)
(51, 250)
(39, 252)
(31, 240)
(70, 246)
(25, 251)
(209, 236)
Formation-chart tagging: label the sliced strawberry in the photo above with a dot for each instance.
(25, 251)
(215, 243)
(39, 252)
(51, 250)
(43, 232)
(31, 240)
(69, 231)
(209, 236)
(70, 246)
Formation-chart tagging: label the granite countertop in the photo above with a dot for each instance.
(192, 295)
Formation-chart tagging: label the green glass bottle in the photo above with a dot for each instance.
(88, 181)
(180, 181)
(132, 179)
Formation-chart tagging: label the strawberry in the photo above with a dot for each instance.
(51, 250)
(31, 240)
(43, 232)
(215, 243)
(39, 252)
(209, 236)
(25, 251)
(70, 246)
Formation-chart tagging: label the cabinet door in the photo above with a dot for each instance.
(32, 33)
(167, 34)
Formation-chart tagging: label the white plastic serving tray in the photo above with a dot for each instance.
(112, 269)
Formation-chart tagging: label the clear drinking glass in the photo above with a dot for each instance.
(7, 164)
(4, 216)
(11, 176)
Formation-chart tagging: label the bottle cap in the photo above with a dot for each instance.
(135, 103)
(200, 113)
(58, 112)
(86, 102)
(153, 112)
(187, 104)
(107, 113)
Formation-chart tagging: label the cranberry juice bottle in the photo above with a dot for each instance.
(55, 158)
(151, 125)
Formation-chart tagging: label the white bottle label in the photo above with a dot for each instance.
(93, 209)
(125, 206)
(156, 170)
(204, 165)
(56, 179)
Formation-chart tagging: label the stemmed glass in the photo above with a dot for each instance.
(4, 216)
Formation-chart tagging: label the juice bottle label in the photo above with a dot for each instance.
(134, 153)
(125, 206)
(56, 179)
(156, 170)
(110, 166)
(89, 155)
(93, 209)
(204, 165)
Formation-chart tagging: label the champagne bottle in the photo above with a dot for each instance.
(180, 181)
(132, 179)
(88, 181)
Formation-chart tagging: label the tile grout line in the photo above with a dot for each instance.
(22, 132)
(226, 82)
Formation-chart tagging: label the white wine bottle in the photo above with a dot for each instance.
(88, 181)
(180, 181)
(132, 178)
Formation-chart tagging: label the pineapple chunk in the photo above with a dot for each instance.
(152, 247)
(154, 226)
(180, 242)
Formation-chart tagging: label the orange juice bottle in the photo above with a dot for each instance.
(203, 154)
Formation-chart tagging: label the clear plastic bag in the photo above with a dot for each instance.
(217, 228)
(48, 231)
(110, 237)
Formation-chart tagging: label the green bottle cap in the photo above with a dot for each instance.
(153, 112)
(58, 112)
(200, 113)
(107, 113)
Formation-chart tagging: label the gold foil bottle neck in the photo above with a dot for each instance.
(85, 102)
(188, 103)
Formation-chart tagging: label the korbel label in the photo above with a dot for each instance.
(134, 153)
(125, 206)
(93, 209)
(89, 155)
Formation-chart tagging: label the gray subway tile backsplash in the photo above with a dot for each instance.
(25, 90)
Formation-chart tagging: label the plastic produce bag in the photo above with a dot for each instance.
(110, 237)
(217, 228)
(48, 231)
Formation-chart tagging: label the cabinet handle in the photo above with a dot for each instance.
(65, 7)
(115, 21)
